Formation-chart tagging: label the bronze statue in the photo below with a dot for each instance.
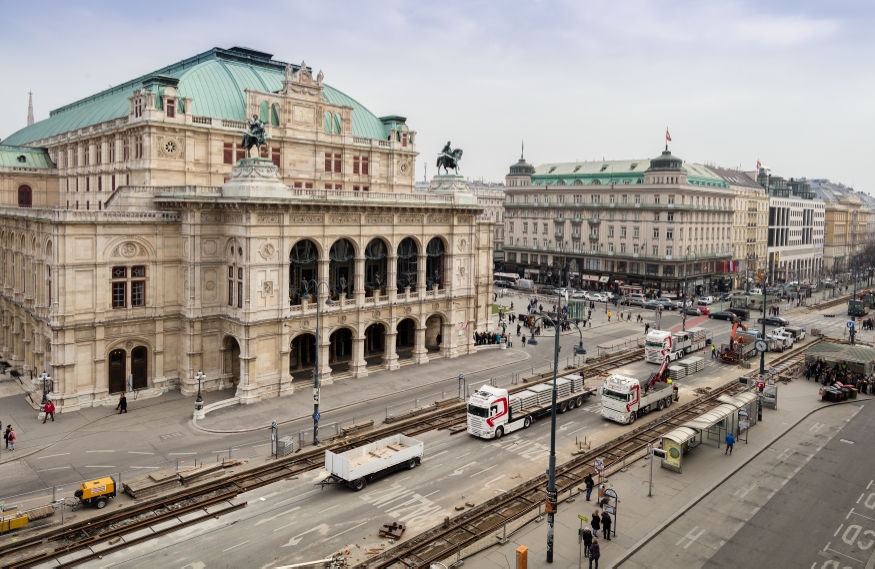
(255, 136)
(449, 158)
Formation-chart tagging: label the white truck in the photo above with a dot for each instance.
(358, 466)
(626, 398)
(661, 344)
(493, 413)
(781, 336)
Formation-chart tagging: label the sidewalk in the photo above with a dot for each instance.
(639, 517)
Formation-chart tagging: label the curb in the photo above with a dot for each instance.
(194, 424)
(674, 517)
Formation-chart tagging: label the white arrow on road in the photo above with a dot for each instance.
(265, 520)
(566, 425)
(297, 539)
(461, 469)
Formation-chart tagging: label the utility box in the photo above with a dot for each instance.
(285, 445)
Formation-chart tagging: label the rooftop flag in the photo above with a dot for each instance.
(667, 135)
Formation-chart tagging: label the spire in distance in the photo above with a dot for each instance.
(29, 108)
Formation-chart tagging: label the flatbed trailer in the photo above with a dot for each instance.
(356, 467)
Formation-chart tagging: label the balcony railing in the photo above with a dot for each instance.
(576, 220)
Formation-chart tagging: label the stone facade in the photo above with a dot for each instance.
(174, 257)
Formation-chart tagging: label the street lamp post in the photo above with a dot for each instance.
(307, 286)
(45, 377)
(551, 473)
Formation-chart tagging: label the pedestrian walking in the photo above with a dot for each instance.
(594, 553)
(713, 352)
(606, 526)
(6, 435)
(730, 442)
(12, 437)
(122, 406)
(596, 523)
(524, 340)
(590, 484)
(609, 315)
(49, 409)
(587, 540)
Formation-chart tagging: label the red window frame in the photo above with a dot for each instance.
(365, 166)
(25, 196)
(240, 153)
(275, 156)
(338, 162)
(171, 108)
(228, 153)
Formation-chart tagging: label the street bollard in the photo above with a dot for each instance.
(459, 561)
(229, 453)
(503, 539)
(177, 465)
(540, 516)
(53, 493)
(570, 495)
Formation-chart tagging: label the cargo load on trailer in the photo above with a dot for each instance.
(661, 344)
(492, 412)
(358, 466)
(625, 398)
(741, 345)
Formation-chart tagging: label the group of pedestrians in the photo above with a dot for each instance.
(486, 338)
(828, 375)
(601, 520)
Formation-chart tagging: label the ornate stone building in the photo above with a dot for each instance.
(133, 252)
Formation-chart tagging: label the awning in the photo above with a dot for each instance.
(589, 278)
(740, 400)
(680, 435)
(712, 417)
(604, 279)
(533, 271)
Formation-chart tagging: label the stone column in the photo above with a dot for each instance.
(358, 291)
(392, 275)
(420, 353)
(420, 274)
(358, 365)
(324, 352)
(247, 389)
(451, 340)
(390, 357)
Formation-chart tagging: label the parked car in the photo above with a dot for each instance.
(578, 294)
(774, 321)
(595, 296)
(705, 310)
(725, 315)
(706, 300)
(757, 291)
(636, 299)
(666, 303)
(607, 294)
(651, 305)
(693, 311)
(742, 313)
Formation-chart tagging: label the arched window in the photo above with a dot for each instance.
(341, 268)
(405, 272)
(263, 112)
(337, 123)
(375, 266)
(275, 114)
(302, 270)
(25, 196)
(326, 122)
(434, 263)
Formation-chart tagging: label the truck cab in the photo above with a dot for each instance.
(657, 345)
(488, 409)
(781, 336)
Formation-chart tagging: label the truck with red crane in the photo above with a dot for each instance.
(741, 345)
(625, 398)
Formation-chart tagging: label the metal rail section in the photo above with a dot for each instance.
(86, 533)
(483, 521)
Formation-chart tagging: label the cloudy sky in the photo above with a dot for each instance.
(787, 82)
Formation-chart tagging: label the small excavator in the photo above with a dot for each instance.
(732, 353)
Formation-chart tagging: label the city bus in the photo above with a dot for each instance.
(509, 280)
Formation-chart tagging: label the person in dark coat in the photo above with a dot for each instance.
(606, 526)
(594, 553)
(122, 404)
(596, 523)
(590, 484)
(6, 435)
(587, 540)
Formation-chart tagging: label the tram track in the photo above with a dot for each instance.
(63, 541)
(483, 521)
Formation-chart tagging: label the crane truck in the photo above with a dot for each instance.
(741, 345)
(492, 412)
(661, 344)
(626, 398)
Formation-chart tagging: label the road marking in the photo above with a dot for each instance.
(136, 452)
(173, 453)
(816, 427)
(575, 431)
(837, 531)
(265, 520)
(438, 454)
(461, 469)
(297, 539)
(839, 553)
(145, 467)
(234, 546)
(493, 481)
(99, 451)
(690, 536)
(846, 441)
(326, 509)
(861, 497)
(436, 465)
(787, 453)
(101, 466)
(745, 490)
(862, 516)
(431, 493)
(264, 445)
(870, 484)
(58, 468)
(346, 530)
(482, 471)
(53, 455)
(464, 455)
(849, 513)
(566, 425)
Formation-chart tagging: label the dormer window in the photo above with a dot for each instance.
(604, 167)
(170, 108)
(138, 108)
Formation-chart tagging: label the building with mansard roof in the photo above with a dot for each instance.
(135, 252)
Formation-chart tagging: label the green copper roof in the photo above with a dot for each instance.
(619, 172)
(215, 80)
(24, 157)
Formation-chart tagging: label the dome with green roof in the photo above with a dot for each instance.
(216, 82)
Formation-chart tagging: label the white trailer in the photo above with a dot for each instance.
(356, 467)
(661, 344)
(626, 398)
(493, 413)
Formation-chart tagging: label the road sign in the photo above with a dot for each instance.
(599, 464)
(850, 324)
(317, 416)
(761, 385)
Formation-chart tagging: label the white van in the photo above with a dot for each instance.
(525, 284)
(636, 299)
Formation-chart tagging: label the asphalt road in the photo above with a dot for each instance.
(824, 517)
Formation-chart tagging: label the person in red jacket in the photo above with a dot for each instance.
(49, 410)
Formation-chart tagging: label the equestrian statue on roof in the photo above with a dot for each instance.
(449, 158)
(255, 136)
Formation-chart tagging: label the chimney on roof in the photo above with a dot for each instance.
(29, 108)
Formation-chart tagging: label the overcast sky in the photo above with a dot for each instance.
(789, 83)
